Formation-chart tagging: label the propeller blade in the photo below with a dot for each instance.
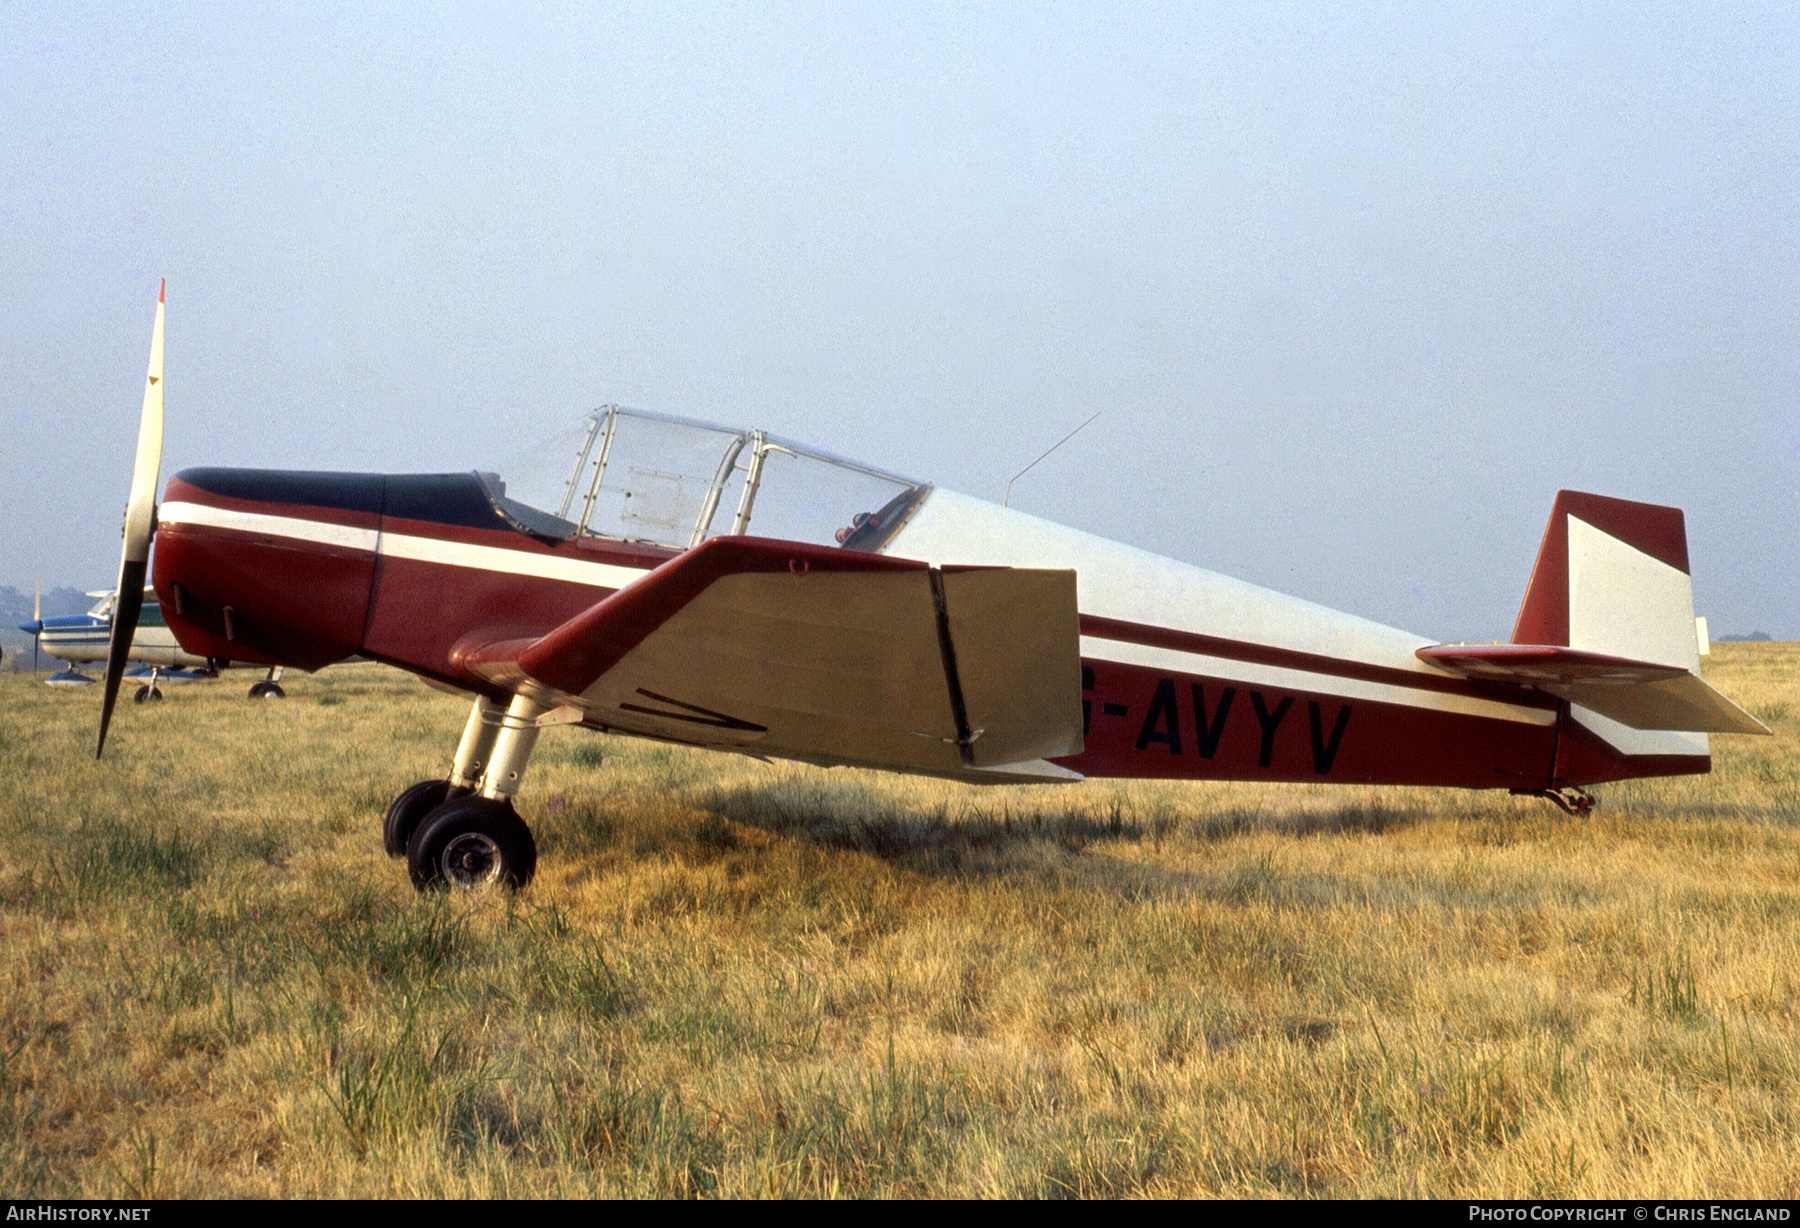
(140, 524)
(37, 622)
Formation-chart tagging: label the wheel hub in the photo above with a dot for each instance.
(471, 860)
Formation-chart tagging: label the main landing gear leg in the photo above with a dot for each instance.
(477, 839)
(480, 732)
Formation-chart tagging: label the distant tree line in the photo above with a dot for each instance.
(1754, 636)
(15, 606)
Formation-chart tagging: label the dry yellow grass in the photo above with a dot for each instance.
(733, 978)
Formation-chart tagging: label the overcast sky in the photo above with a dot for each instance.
(1356, 287)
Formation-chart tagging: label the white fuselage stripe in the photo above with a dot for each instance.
(1275, 677)
(318, 532)
(403, 545)
(511, 562)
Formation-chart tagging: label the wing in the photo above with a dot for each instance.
(825, 655)
(1640, 694)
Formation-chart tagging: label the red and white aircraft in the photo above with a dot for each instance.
(729, 589)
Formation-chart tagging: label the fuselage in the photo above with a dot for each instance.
(1184, 673)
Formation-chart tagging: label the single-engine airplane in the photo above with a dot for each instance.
(83, 638)
(730, 589)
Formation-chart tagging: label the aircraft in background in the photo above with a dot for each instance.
(84, 638)
(80, 638)
(610, 580)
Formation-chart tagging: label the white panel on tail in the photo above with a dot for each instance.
(1626, 603)
(1629, 741)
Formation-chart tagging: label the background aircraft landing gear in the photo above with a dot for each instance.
(472, 842)
(149, 690)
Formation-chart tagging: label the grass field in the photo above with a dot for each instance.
(732, 978)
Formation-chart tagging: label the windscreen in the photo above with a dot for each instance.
(807, 496)
(624, 475)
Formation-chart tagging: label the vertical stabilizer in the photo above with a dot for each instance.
(1612, 577)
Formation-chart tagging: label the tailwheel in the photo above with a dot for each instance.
(146, 692)
(267, 690)
(409, 810)
(1570, 799)
(471, 843)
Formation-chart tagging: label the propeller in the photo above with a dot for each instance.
(140, 524)
(37, 622)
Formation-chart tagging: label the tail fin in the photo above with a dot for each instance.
(1612, 577)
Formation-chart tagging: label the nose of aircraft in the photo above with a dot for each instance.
(273, 566)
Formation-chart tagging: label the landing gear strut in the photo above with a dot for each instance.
(149, 690)
(463, 832)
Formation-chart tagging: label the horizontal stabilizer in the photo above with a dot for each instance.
(809, 652)
(1639, 694)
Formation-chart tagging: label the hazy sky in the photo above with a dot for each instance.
(1357, 287)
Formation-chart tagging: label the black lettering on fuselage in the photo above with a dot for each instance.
(1163, 722)
(1206, 733)
(1269, 721)
(1325, 752)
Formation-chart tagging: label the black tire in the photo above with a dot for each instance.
(472, 843)
(267, 690)
(146, 692)
(408, 811)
